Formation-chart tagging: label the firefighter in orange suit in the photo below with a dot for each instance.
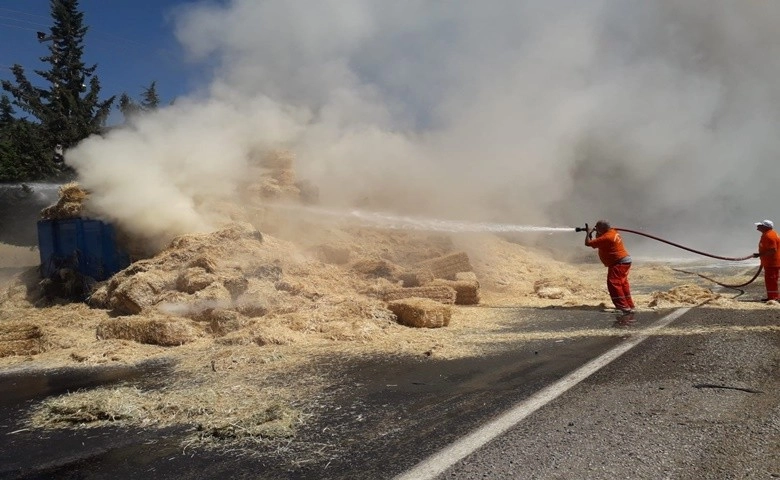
(615, 257)
(769, 253)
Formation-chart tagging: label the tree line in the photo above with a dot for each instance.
(37, 124)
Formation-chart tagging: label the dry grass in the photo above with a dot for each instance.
(238, 413)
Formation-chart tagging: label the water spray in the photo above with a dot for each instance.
(405, 222)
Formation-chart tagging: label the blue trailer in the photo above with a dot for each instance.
(85, 246)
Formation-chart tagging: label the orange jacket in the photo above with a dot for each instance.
(610, 245)
(769, 240)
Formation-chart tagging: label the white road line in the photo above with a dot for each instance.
(465, 446)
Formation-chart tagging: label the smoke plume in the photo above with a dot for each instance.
(660, 116)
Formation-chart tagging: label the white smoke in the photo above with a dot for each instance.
(660, 116)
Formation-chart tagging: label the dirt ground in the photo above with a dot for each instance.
(249, 311)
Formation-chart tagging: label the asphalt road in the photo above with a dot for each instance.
(681, 406)
(701, 401)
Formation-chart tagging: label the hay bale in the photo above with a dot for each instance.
(139, 291)
(235, 283)
(21, 338)
(466, 291)
(416, 278)
(159, 330)
(466, 276)
(194, 279)
(223, 322)
(215, 295)
(266, 271)
(98, 298)
(375, 268)
(275, 335)
(250, 307)
(206, 262)
(448, 266)
(421, 312)
(290, 286)
(440, 293)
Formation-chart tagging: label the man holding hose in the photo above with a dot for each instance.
(769, 253)
(615, 257)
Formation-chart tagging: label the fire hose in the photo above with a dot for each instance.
(733, 259)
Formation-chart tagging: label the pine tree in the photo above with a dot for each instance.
(150, 100)
(128, 107)
(69, 110)
(19, 146)
(6, 112)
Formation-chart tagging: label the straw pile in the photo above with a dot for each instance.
(440, 293)
(191, 272)
(421, 312)
(684, 294)
(21, 338)
(155, 330)
(448, 266)
(557, 288)
(69, 205)
(246, 291)
(220, 415)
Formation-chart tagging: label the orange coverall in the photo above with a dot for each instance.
(614, 256)
(771, 263)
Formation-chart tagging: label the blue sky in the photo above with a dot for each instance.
(132, 41)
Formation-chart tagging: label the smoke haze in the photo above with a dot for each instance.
(660, 116)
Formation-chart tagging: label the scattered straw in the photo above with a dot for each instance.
(248, 317)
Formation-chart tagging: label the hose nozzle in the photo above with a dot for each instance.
(582, 229)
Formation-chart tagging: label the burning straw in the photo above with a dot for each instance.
(69, 205)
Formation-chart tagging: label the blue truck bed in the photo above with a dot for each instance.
(84, 245)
